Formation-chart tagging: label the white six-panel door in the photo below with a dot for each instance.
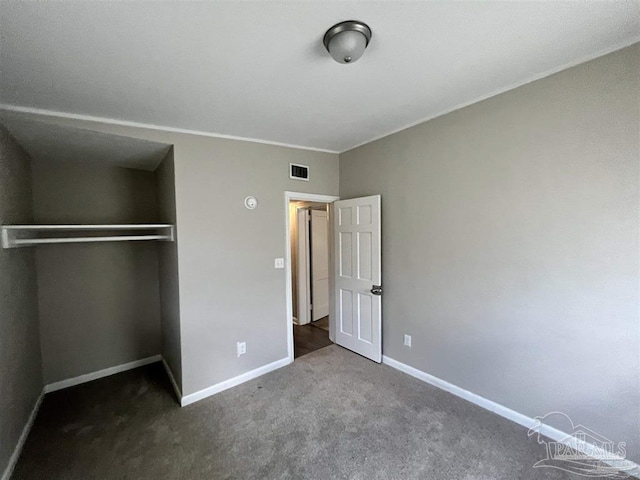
(319, 264)
(358, 276)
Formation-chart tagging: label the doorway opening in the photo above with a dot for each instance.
(309, 265)
(309, 230)
(355, 273)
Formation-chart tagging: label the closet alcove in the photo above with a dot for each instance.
(102, 235)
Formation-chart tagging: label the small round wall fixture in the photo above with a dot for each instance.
(251, 202)
(346, 41)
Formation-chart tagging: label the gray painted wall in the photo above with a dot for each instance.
(510, 245)
(99, 303)
(228, 288)
(20, 360)
(168, 270)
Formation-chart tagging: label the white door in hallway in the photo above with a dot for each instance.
(358, 275)
(319, 264)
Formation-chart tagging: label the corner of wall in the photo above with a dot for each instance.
(169, 274)
(20, 350)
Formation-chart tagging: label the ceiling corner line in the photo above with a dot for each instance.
(125, 123)
(495, 93)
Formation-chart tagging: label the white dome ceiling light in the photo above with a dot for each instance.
(346, 41)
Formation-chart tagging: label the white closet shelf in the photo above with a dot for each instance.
(14, 236)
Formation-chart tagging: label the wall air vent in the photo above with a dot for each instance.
(298, 172)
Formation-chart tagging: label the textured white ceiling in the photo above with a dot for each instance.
(259, 70)
(51, 142)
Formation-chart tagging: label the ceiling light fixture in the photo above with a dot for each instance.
(346, 41)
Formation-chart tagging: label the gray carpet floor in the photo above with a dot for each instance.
(331, 414)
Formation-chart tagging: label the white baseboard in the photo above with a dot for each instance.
(174, 384)
(13, 460)
(232, 382)
(70, 382)
(628, 466)
(184, 401)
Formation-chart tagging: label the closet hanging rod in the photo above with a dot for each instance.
(18, 235)
(131, 226)
(121, 238)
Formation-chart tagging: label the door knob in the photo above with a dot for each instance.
(376, 289)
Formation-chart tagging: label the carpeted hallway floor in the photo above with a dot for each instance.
(331, 414)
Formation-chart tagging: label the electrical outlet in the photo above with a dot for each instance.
(278, 263)
(407, 341)
(241, 348)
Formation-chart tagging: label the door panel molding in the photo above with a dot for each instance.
(357, 270)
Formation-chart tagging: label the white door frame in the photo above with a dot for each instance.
(302, 197)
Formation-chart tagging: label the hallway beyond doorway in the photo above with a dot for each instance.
(311, 337)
